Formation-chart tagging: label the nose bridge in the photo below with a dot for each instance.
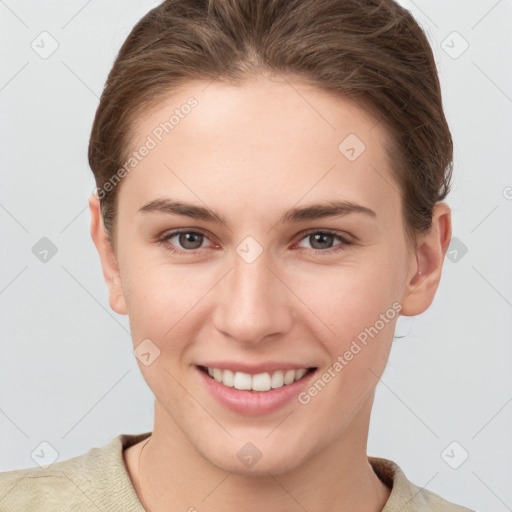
(251, 305)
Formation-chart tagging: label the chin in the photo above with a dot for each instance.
(246, 459)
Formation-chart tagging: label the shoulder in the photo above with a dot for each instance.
(406, 496)
(33, 488)
(87, 482)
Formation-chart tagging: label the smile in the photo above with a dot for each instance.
(258, 382)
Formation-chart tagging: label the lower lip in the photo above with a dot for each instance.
(253, 403)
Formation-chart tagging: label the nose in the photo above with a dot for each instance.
(252, 303)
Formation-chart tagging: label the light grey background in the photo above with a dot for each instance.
(67, 371)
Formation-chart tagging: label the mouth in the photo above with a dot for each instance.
(256, 383)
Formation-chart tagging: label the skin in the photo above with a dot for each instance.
(251, 152)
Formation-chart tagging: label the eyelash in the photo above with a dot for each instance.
(164, 240)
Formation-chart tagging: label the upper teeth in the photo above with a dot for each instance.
(259, 382)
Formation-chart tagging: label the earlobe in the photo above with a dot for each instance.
(108, 258)
(427, 263)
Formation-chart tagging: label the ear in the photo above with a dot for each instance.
(107, 256)
(427, 262)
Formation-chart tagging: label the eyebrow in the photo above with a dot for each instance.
(299, 214)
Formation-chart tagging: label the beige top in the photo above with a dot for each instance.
(99, 481)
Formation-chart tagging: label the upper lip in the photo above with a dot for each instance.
(253, 369)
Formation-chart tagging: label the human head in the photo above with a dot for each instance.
(272, 147)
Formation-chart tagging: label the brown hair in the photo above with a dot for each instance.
(371, 51)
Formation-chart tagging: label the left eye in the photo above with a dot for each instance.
(323, 240)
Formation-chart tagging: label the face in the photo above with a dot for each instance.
(259, 235)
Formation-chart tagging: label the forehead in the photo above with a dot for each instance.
(266, 142)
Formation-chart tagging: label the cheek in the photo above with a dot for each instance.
(164, 306)
(163, 298)
(360, 306)
(349, 298)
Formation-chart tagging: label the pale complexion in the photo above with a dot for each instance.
(251, 153)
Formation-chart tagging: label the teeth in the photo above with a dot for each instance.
(289, 377)
(228, 378)
(277, 379)
(259, 382)
(300, 373)
(242, 381)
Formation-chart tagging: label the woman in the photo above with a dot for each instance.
(270, 184)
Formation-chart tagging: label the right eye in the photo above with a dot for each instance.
(189, 240)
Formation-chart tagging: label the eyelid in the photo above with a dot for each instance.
(347, 238)
(346, 242)
(167, 235)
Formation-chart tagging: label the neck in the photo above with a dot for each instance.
(174, 476)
